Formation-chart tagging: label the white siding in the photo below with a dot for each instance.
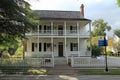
(82, 44)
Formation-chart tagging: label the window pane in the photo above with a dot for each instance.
(48, 46)
(74, 47)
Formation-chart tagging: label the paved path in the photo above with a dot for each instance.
(59, 77)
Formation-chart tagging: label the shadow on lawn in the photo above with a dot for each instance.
(19, 70)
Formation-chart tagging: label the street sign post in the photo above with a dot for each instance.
(104, 42)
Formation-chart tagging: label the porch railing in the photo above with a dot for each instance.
(59, 33)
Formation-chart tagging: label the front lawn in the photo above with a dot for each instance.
(99, 72)
(27, 71)
(39, 71)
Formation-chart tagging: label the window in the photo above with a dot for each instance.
(74, 46)
(73, 29)
(47, 47)
(40, 28)
(34, 45)
(47, 29)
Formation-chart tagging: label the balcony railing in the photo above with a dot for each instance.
(59, 33)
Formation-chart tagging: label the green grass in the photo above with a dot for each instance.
(35, 71)
(99, 72)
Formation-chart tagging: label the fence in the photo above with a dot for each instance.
(81, 62)
(27, 62)
(94, 62)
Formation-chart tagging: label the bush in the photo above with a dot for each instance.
(96, 50)
(5, 54)
(109, 53)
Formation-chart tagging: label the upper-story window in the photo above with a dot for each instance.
(40, 28)
(47, 29)
(73, 29)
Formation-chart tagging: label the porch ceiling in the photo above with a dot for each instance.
(82, 22)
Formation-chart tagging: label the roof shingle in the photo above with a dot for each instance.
(53, 14)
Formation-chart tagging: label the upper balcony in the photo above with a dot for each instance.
(59, 33)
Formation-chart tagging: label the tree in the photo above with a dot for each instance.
(15, 21)
(118, 2)
(99, 27)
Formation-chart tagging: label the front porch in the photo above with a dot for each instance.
(57, 47)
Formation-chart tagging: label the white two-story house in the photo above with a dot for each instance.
(59, 34)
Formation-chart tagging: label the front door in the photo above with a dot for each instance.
(60, 49)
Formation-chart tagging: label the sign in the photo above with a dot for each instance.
(102, 42)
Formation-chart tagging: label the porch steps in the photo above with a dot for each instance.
(60, 60)
(61, 67)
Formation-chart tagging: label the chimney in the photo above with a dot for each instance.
(82, 9)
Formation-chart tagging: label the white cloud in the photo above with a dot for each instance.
(54, 4)
(61, 4)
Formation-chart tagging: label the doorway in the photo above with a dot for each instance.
(60, 49)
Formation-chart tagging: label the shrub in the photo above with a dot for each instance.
(109, 53)
(36, 71)
(96, 50)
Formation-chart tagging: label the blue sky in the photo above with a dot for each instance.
(94, 9)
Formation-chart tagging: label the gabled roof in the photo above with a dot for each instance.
(60, 15)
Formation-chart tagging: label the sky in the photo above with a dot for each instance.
(107, 10)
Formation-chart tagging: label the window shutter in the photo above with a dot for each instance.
(71, 47)
(45, 28)
(70, 27)
(40, 47)
(40, 27)
(44, 46)
(32, 47)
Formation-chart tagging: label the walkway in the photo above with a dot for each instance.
(62, 69)
(59, 77)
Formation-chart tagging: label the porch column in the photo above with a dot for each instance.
(65, 38)
(52, 38)
(90, 38)
(38, 39)
(78, 38)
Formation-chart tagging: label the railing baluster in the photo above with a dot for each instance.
(59, 33)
